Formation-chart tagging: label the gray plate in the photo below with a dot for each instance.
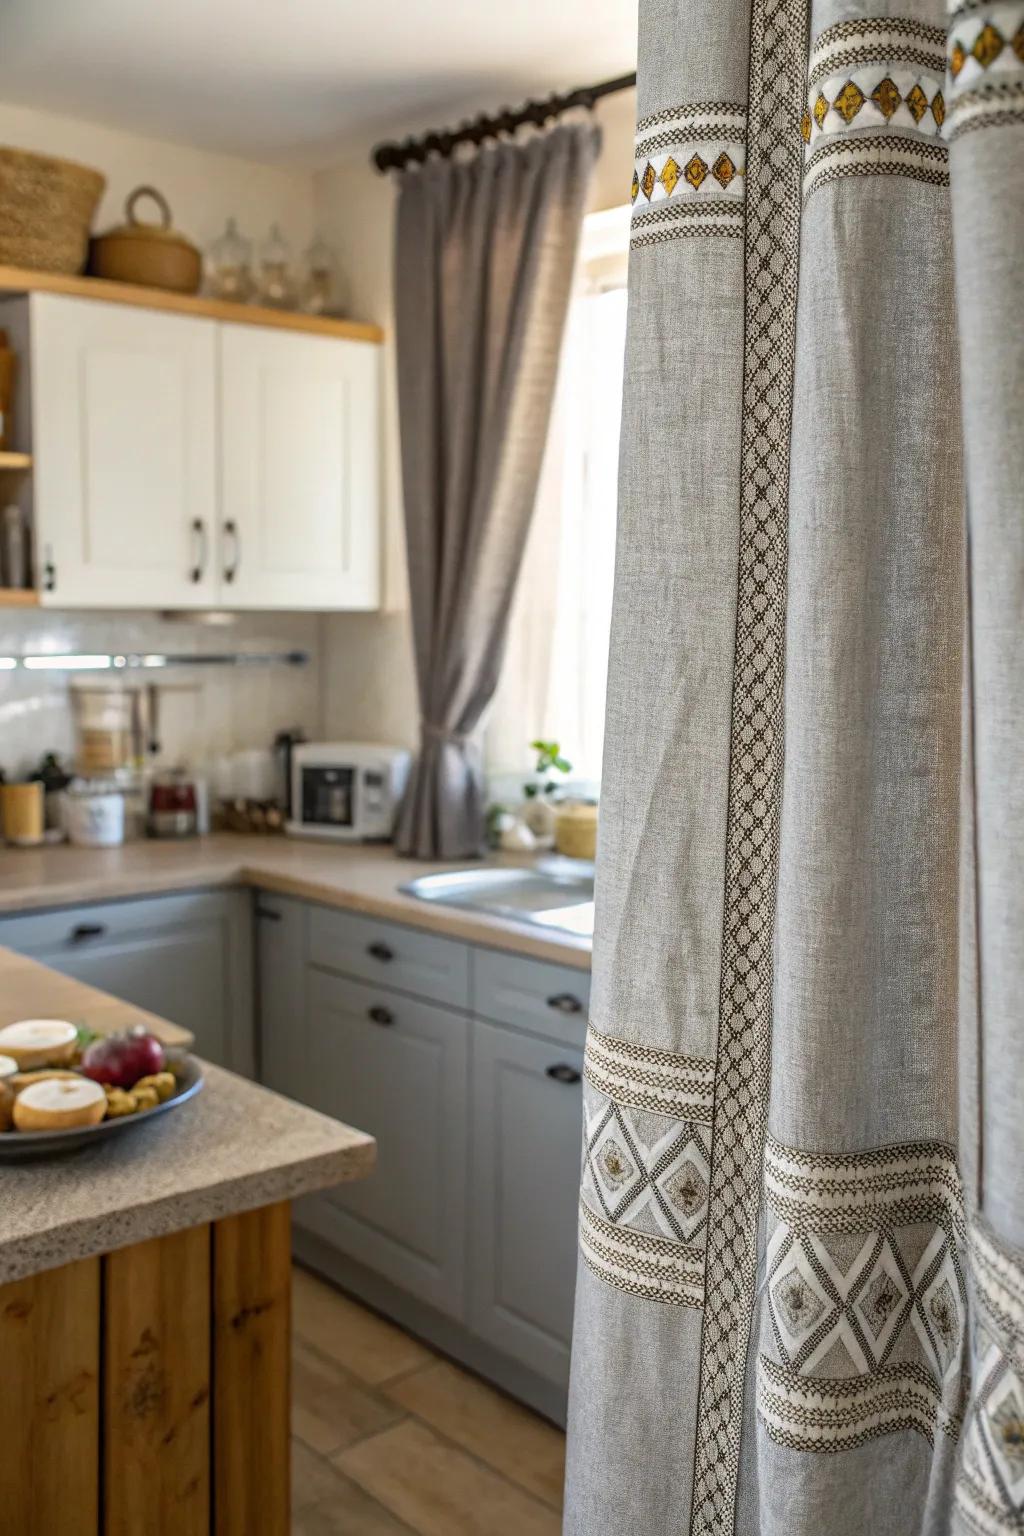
(16, 1145)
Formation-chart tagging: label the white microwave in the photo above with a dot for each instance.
(347, 790)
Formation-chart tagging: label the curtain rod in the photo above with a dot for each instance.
(413, 151)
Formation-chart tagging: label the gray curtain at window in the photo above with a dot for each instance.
(484, 257)
(800, 1305)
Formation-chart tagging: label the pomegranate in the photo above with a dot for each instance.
(122, 1059)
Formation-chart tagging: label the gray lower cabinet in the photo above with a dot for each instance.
(527, 1129)
(396, 1067)
(466, 1064)
(187, 957)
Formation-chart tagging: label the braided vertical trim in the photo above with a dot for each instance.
(778, 74)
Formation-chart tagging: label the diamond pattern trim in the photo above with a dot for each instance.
(777, 81)
(686, 156)
(989, 1491)
(660, 1081)
(654, 1179)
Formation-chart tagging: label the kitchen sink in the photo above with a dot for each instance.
(552, 893)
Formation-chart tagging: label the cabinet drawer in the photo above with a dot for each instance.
(77, 930)
(404, 958)
(549, 1000)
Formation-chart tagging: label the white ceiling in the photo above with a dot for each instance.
(300, 80)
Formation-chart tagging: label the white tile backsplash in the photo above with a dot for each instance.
(204, 712)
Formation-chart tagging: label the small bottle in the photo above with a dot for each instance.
(14, 562)
(229, 266)
(275, 283)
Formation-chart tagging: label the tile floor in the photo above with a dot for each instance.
(389, 1439)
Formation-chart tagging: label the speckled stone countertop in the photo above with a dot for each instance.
(360, 877)
(234, 1147)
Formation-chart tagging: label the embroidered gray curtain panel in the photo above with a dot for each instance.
(484, 257)
(800, 1303)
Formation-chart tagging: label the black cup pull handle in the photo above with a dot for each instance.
(268, 915)
(381, 1015)
(565, 1003)
(380, 951)
(563, 1073)
(82, 931)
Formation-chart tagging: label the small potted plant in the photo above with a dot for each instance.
(542, 791)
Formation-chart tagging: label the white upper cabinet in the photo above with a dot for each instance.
(124, 444)
(182, 462)
(299, 467)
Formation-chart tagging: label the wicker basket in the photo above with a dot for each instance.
(46, 208)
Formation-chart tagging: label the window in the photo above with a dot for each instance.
(554, 673)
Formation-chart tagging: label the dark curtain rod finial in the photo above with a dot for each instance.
(413, 151)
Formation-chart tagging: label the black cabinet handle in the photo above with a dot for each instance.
(231, 566)
(565, 1003)
(380, 951)
(199, 543)
(563, 1073)
(381, 1015)
(267, 915)
(87, 931)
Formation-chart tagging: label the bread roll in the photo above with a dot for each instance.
(8, 1067)
(39, 1043)
(59, 1104)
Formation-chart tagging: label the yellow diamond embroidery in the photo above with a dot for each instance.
(723, 169)
(647, 181)
(669, 175)
(820, 109)
(1017, 43)
(988, 45)
(635, 188)
(695, 172)
(957, 59)
(939, 108)
(849, 101)
(917, 103)
(805, 127)
(886, 97)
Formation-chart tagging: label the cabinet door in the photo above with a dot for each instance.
(527, 1131)
(397, 1068)
(300, 470)
(280, 993)
(123, 432)
(186, 958)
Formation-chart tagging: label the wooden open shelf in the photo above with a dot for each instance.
(20, 280)
(9, 460)
(15, 597)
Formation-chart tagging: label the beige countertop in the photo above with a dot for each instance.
(363, 878)
(234, 1147)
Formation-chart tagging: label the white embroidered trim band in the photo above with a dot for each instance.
(888, 1186)
(813, 1415)
(689, 172)
(666, 1084)
(852, 44)
(641, 1264)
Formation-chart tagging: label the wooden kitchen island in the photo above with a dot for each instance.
(145, 1303)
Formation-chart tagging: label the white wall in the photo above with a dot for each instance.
(369, 683)
(203, 189)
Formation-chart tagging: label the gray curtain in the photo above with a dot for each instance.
(800, 1303)
(484, 257)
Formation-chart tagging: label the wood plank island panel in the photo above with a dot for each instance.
(20, 280)
(50, 1402)
(147, 1392)
(251, 1372)
(156, 1387)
